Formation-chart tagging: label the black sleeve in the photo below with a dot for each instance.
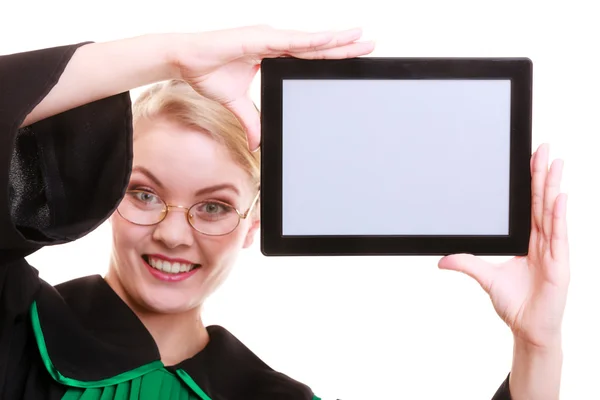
(59, 178)
(503, 392)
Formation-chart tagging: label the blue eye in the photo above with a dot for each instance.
(212, 210)
(146, 197)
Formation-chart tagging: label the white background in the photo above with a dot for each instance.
(381, 328)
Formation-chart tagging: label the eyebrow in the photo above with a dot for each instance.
(209, 189)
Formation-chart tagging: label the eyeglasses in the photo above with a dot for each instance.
(214, 218)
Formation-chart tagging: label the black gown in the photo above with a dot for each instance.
(60, 178)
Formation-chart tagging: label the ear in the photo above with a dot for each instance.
(251, 233)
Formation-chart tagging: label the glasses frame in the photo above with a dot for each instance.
(167, 208)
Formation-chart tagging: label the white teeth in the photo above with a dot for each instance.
(169, 268)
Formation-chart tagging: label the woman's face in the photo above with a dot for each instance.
(182, 167)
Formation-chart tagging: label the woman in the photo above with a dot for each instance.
(178, 177)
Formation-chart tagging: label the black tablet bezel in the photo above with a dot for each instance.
(273, 71)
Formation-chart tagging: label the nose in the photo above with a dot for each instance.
(174, 230)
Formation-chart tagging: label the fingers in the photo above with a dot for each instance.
(538, 179)
(551, 191)
(559, 243)
(286, 42)
(342, 38)
(298, 42)
(532, 161)
(531, 165)
(348, 51)
(476, 268)
(277, 43)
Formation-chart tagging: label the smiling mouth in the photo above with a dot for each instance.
(169, 267)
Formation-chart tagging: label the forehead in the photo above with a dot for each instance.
(185, 158)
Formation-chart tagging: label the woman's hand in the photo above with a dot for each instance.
(529, 293)
(222, 64)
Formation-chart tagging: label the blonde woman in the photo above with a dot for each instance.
(177, 174)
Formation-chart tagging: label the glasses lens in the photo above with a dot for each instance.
(214, 218)
(142, 208)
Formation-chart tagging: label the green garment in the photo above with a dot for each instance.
(159, 384)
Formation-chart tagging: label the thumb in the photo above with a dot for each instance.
(249, 116)
(476, 268)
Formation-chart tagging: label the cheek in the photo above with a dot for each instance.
(126, 235)
(221, 249)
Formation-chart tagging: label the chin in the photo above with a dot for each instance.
(168, 303)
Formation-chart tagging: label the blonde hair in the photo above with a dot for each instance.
(175, 100)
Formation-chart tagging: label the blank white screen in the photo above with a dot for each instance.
(396, 157)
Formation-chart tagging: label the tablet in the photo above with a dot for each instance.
(396, 156)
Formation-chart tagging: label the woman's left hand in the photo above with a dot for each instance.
(529, 293)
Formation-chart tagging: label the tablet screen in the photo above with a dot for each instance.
(395, 157)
